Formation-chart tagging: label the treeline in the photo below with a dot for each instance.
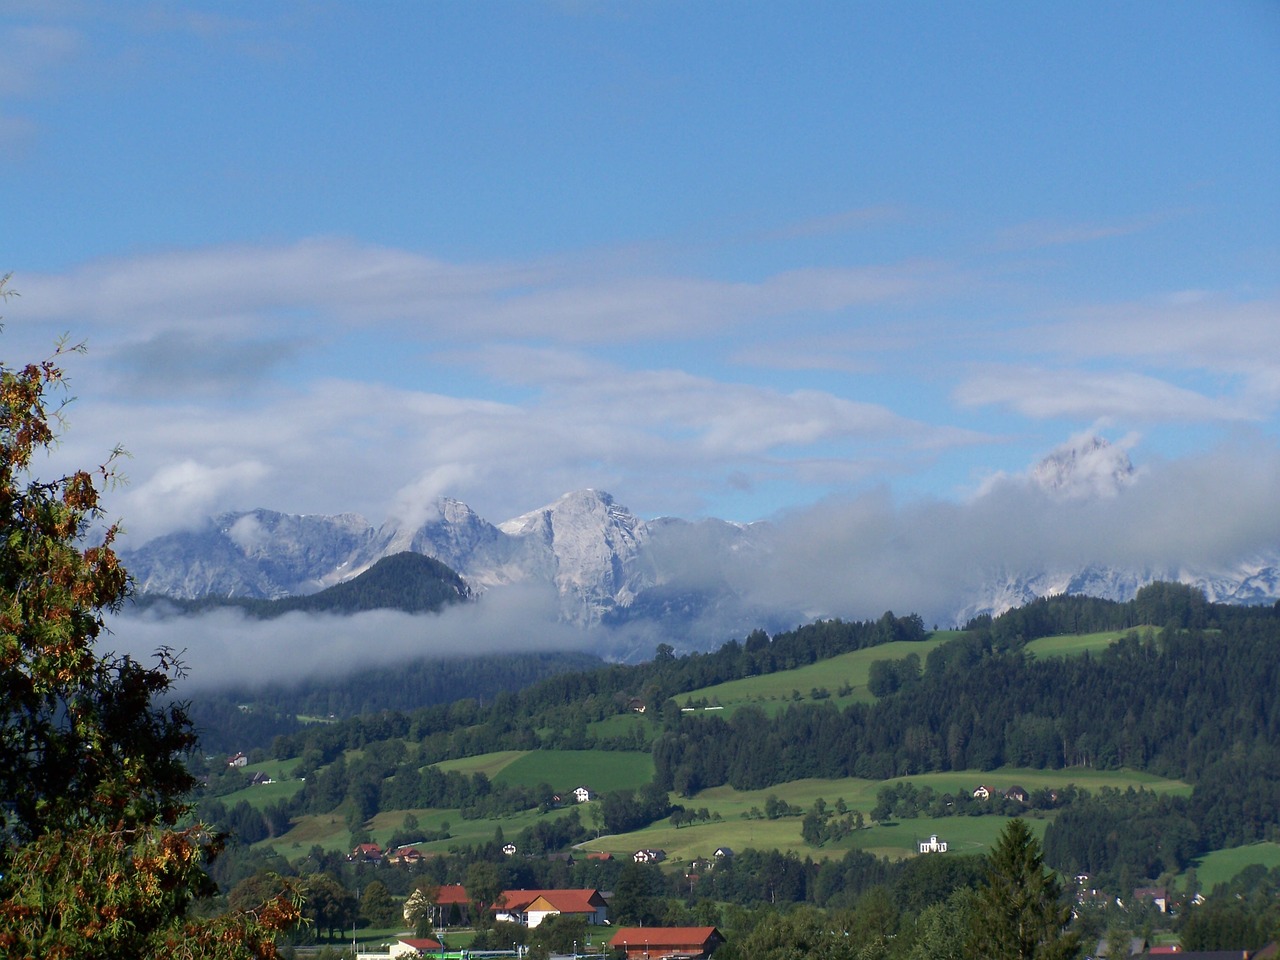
(238, 719)
(1159, 604)
(562, 705)
(1171, 703)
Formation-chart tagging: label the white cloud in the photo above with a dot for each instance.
(1041, 393)
(216, 646)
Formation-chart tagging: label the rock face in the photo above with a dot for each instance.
(608, 566)
(594, 551)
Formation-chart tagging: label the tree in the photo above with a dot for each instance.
(376, 906)
(91, 769)
(1020, 913)
(329, 905)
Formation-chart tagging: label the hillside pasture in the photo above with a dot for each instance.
(1221, 865)
(599, 770)
(895, 840)
(490, 764)
(774, 691)
(1072, 645)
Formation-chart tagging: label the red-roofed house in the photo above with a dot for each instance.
(369, 852)
(414, 947)
(686, 943)
(452, 905)
(531, 907)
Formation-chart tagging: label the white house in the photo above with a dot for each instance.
(933, 845)
(582, 794)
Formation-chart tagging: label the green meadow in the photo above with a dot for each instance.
(600, 770)
(773, 691)
(1221, 865)
(1069, 645)
(896, 839)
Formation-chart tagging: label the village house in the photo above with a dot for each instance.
(414, 947)
(582, 794)
(1156, 895)
(237, 760)
(406, 856)
(509, 849)
(530, 907)
(451, 906)
(982, 793)
(366, 853)
(649, 856)
(657, 943)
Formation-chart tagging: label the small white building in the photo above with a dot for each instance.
(933, 845)
(582, 794)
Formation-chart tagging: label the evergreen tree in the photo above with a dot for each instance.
(1020, 912)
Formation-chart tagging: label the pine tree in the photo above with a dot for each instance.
(1020, 912)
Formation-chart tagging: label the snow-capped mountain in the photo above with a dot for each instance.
(701, 581)
(596, 554)
(1090, 468)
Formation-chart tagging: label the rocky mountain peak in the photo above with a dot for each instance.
(1084, 467)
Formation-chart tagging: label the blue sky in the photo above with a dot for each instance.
(719, 259)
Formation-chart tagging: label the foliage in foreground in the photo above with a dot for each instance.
(92, 863)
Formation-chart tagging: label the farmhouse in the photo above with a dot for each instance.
(657, 943)
(582, 794)
(1156, 895)
(237, 760)
(649, 856)
(367, 853)
(414, 947)
(509, 849)
(452, 906)
(407, 855)
(982, 793)
(530, 907)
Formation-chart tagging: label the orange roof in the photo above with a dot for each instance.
(566, 901)
(453, 893)
(664, 936)
(422, 943)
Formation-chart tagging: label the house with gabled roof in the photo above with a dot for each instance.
(530, 907)
(666, 943)
(367, 852)
(414, 947)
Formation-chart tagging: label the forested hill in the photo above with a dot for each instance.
(1188, 694)
(409, 582)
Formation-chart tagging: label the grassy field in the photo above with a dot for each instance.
(490, 764)
(773, 691)
(264, 794)
(892, 840)
(1068, 645)
(600, 770)
(1221, 865)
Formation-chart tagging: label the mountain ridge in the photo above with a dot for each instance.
(697, 581)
